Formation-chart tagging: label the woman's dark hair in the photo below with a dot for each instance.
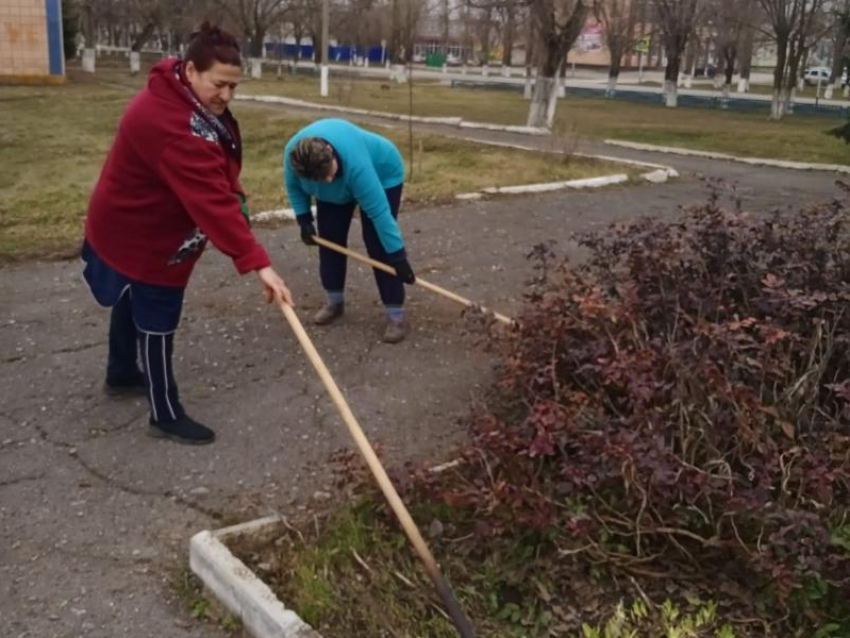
(209, 44)
(312, 158)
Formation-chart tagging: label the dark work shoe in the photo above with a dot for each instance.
(331, 312)
(133, 385)
(395, 331)
(183, 430)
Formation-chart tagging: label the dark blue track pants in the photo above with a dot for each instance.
(128, 345)
(334, 222)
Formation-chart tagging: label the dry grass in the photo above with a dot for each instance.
(57, 138)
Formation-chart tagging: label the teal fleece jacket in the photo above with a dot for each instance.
(369, 163)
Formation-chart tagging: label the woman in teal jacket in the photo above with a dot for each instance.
(343, 166)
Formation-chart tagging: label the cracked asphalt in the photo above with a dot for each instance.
(95, 516)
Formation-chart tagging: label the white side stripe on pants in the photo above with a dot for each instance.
(150, 379)
(165, 379)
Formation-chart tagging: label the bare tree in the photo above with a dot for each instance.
(557, 24)
(746, 55)
(406, 16)
(508, 11)
(840, 36)
(484, 24)
(732, 19)
(677, 21)
(793, 26)
(255, 18)
(618, 17)
(146, 18)
(445, 21)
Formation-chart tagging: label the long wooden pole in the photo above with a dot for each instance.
(445, 592)
(419, 281)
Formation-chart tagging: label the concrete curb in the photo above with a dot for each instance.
(660, 173)
(590, 182)
(239, 589)
(668, 171)
(451, 121)
(756, 161)
(657, 176)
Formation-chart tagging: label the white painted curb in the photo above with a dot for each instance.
(239, 589)
(510, 128)
(660, 174)
(590, 182)
(653, 176)
(757, 161)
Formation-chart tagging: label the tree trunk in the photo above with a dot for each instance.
(143, 36)
(614, 68)
(794, 59)
(557, 40)
(839, 44)
(777, 105)
(544, 99)
(395, 36)
(257, 37)
(529, 59)
(746, 59)
(446, 21)
(508, 39)
(674, 48)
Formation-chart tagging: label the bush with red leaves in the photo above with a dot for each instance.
(681, 401)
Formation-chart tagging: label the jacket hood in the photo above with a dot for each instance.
(166, 80)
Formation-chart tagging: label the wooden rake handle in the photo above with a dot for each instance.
(380, 474)
(419, 281)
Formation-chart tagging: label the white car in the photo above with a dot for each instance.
(817, 75)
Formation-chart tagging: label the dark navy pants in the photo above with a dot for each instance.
(334, 222)
(129, 346)
(142, 323)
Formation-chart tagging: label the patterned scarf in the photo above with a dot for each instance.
(226, 138)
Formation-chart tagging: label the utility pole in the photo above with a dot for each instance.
(325, 46)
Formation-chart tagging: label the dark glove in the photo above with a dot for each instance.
(305, 222)
(404, 271)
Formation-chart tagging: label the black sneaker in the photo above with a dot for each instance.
(183, 430)
(133, 385)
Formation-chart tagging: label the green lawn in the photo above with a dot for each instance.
(57, 137)
(800, 138)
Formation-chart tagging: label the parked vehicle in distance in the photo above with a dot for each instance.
(817, 75)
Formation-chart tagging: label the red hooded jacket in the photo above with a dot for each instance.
(170, 181)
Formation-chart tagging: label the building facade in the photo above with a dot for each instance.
(31, 40)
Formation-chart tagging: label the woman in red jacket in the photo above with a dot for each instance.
(169, 184)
